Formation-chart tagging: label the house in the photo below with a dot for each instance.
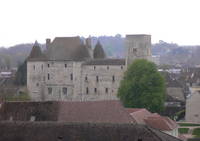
(154, 120)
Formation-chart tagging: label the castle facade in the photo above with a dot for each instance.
(70, 70)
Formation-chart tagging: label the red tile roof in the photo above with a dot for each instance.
(154, 120)
(90, 111)
(94, 111)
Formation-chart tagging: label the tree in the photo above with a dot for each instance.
(21, 74)
(142, 87)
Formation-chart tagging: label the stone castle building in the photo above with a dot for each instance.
(69, 69)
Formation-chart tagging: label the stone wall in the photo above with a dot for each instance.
(138, 47)
(36, 79)
(101, 82)
(192, 108)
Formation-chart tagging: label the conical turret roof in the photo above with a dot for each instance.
(36, 53)
(99, 52)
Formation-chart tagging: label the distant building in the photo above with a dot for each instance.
(69, 69)
(154, 120)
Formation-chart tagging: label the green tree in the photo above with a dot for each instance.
(21, 75)
(143, 87)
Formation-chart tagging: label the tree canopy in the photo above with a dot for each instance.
(142, 87)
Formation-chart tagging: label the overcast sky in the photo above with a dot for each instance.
(23, 21)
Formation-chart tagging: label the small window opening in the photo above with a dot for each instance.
(94, 67)
(34, 67)
(113, 78)
(86, 78)
(107, 67)
(64, 91)
(106, 90)
(97, 78)
(42, 67)
(48, 77)
(95, 90)
(48, 65)
(122, 67)
(71, 76)
(87, 90)
(65, 65)
(49, 90)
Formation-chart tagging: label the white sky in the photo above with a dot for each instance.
(23, 21)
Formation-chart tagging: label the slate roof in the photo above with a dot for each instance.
(57, 131)
(90, 111)
(105, 62)
(176, 93)
(36, 53)
(99, 52)
(67, 48)
(153, 120)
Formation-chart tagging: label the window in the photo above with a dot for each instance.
(48, 76)
(95, 90)
(48, 65)
(50, 90)
(97, 78)
(94, 67)
(37, 84)
(42, 67)
(106, 90)
(113, 78)
(64, 91)
(32, 118)
(71, 76)
(34, 67)
(122, 67)
(65, 65)
(87, 90)
(107, 67)
(86, 78)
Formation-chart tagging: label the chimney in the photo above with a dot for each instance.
(48, 42)
(88, 42)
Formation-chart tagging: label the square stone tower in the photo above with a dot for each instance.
(138, 47)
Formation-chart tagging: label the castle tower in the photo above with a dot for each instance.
(99, 51)
(138, 47)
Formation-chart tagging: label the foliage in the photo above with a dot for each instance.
(196, 132)
(183, 130)
(22, 96)
(143, 87)
(21, 75)
(188, 124)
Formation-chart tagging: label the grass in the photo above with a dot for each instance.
(188, 124)
(22, 96)
(196, 132)
(183, 130)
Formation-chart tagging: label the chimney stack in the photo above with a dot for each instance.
(48, 42)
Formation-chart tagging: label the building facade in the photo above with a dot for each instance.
(70, 70)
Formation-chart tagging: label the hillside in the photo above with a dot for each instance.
(170, 53)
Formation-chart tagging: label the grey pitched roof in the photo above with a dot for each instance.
(36, 53)
(98, 51)
(52, 131)
(67, 48)
(105, 62)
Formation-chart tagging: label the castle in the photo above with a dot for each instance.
(70, 70)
